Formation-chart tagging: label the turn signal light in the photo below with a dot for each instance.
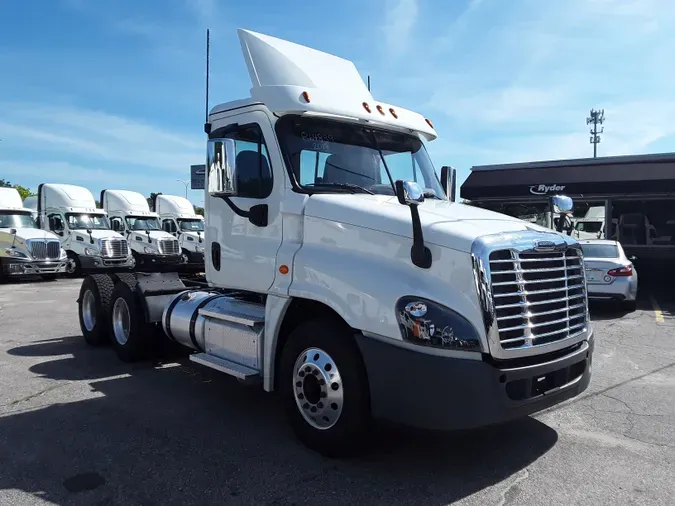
(626, 270)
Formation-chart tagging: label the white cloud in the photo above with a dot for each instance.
(98, 136)
(399, 23)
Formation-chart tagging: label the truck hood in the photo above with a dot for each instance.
(99, 234)
(444, 223)
(154, 234)
(31, 233)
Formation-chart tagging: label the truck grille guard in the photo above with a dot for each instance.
(531, 288)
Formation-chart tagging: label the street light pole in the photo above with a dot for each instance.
(186, 183)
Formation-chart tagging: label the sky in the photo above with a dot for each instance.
(111, 94)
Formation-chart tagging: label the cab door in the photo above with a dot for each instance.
(243, 224)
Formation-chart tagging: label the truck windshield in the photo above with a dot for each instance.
(589, 226)
(334, 156)
(191, 225)
(81, 221)
(14, 219)
(142, 223)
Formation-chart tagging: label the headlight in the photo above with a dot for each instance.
(63, 255)
(91, 252)
(427, 323)
(15, 253)
(148, 249)
(199, 249)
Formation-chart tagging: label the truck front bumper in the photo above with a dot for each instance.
(18, 267)
(439, 393)
(145, 259)
(98, 263)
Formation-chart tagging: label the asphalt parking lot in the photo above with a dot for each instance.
(79, 427)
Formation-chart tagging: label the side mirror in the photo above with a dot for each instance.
(12, 231)
(409, 193)
(562, 204)
(221, 166)
(449, 181)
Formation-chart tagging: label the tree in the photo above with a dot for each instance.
(23, 191)
(199, 210)
(151, 200)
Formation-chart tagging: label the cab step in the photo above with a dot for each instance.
(241, 372)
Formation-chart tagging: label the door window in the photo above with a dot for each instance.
(254, 172)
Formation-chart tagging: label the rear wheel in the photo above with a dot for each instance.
(324, 389)
(130, 334)
(629, 305)
(94, 306)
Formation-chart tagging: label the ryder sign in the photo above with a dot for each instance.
(543, 189)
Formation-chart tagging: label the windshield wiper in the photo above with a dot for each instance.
(346, 186)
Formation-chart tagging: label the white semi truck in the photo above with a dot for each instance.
(24, 248)
(179, 219)
(70, 212)
(341, 275)
(130, 215)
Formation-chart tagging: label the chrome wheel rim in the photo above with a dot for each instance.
(121, 321)
(317, 388)
(89, 310)
(70, 266)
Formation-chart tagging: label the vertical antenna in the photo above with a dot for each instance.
(207, 125)
(368, 83)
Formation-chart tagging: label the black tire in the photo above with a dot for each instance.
(101, 288)
(77, 272)
(629, 305)
(135, 344)
(348, 435)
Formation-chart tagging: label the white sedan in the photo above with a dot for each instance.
(609, 273)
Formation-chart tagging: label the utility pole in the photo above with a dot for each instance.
(186, 183)
(596, 118)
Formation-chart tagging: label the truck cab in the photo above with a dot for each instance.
(342, 275)
(130, 215)
(70, 212)
(24, 248)
(178, 218)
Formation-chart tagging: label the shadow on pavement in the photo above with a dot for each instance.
(178, 434)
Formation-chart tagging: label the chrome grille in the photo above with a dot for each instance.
(44, 249)
(168, 247)
(539, 297)
(114, 248)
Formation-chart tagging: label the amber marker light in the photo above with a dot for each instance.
(393, 112)
(283, 269)
(305, 95)
(429, 122)
(366, 106)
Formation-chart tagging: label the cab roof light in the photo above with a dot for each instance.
(380, 109)
(366, 106)
(393, 112)
(305, 95)
(429, 122)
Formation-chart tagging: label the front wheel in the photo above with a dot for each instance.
(324, 389)
(73, 265)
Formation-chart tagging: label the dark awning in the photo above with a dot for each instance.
(589, 177)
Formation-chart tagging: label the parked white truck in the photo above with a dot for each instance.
(341, 275)
(70, 212)
(130, 215)
(24, 248)
(179, 219)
